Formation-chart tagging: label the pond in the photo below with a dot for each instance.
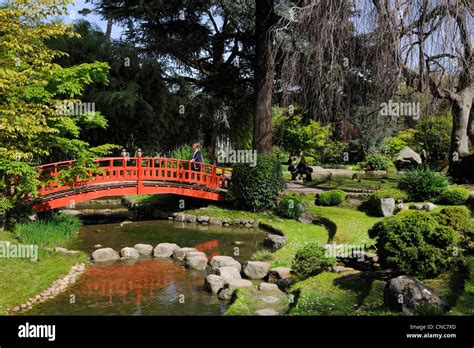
(149, 286)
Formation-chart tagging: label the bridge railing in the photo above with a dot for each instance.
(139, 169)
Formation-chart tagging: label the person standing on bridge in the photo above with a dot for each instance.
(197, 157)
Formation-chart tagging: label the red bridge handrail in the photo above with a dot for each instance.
(139, 169)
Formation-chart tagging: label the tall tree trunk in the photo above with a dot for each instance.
(108, 31)
(262, 131)
(463, 125)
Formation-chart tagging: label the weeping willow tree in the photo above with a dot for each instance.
(329, 66)
(341, 59)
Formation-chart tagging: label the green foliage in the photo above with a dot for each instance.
(333, 197)
(393, 145)
(311, 260)
(55, 231)
(334, 151)
(295, 134)
(433, 133)
(422, 183)
(413, 243)
(34, 91)
(377, 161)
(256, 187)
(289, 207)
(455, 196)
(458, 218)
(262, 255)
(396, 194)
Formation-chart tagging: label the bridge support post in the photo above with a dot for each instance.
(139, 171)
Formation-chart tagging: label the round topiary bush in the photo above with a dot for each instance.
(422, 184)
(377, 161)
(454, 196)
(414, 243)
(311, 260)
(256, 187)
(290, 207)
(396, 194)
(333, 197)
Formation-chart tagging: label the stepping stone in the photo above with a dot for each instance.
(266, 312)
(270, 299)
(267, 287)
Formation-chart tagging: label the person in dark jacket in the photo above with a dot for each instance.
(197, 157)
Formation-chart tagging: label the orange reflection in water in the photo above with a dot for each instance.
(209, 247)
(129, 283)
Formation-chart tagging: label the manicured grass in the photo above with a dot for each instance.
(22, 279)
(364, 184)
(323, 295)
(298, 234)
(349, 225)
(249, 300)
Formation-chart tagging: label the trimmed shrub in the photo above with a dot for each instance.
(311, 260)
(458, 218)
(414, 243)
(422, 184)
(290, 207)
(454, 196)
(396, 194)
(333, 197)
(256, 187)
(377, 162)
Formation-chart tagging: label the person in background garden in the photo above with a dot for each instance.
(292, 167)
(304, 169)
(197, 157)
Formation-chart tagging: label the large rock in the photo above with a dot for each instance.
(406, 294)
(180, 253)
(256, 269)
(129, 253)
(180, 217)
(191, 218)
(230, 286)
(222, 261)
(105, 255)
(214, 283)
(202, 218)
(407, 154)
(228, 272)
(165, 249)
(143, 249)
(274, 241)
(306, 218)
(234, 284)
(423, 206)
(196, 262)
(215, 221)
(387, 206)
(194, 253)
(278, 273)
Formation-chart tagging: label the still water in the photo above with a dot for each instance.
(149, 286)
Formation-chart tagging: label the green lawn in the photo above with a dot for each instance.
(23, 279)
(249, 301)
(465, 303)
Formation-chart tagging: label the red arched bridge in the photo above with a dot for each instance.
(120, 176)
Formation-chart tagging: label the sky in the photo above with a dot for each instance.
(93, 18)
